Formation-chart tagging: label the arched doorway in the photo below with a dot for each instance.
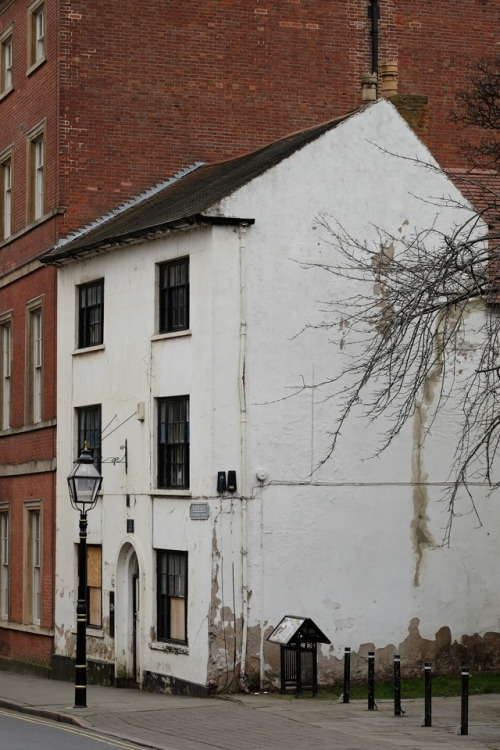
(127, 616)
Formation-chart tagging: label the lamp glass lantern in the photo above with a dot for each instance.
(84, 483)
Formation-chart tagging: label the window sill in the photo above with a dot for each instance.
(28, 427)
(6, 93)
(94, 632)
(88, 350)
(35, 66)
(171, 493)
(173, 335)
(26, 628)
(169, 648)
(33, 225)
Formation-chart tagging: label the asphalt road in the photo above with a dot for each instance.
(22, 732)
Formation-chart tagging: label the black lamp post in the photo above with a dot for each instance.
(84, 483)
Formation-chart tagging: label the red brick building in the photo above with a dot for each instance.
(100, 100)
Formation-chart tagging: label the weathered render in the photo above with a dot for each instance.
(353, 543)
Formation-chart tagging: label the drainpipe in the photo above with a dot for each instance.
(374, 14)
(242, 229)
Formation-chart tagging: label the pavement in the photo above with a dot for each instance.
(256, 721)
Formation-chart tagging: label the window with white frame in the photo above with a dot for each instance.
(36, 173)
(4, 563)
(36, 33)
(36, 565)
(6, 206)
(39, 26)
(33, 564)
(5, 372)
(34, 365)
(6, 61)
(37, 365)
(38, 148)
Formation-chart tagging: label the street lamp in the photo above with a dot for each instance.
(84, 483)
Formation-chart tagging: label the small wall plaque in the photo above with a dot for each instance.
(199, 511)
(130, 525)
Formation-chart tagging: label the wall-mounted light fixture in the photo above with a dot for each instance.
(123, 459)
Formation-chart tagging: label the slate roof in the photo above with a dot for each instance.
(482, 190)
(184, 198)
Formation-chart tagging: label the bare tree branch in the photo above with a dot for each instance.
(412, 329)
(412, 326)
(478, 107)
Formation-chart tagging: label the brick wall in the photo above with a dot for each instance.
(15, 644)
(21, 447)
(16, 490)
(148, 88)
(14, 297)
(152, 91)
(32, 100)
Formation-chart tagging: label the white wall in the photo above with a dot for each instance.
(133, 366)
(354, 543)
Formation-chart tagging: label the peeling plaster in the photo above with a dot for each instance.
(223, 661)
(69, 640)
(446, 656)
(99, 649)
(420, 534)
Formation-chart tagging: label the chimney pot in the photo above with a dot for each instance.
(389, 79)
(368, 87)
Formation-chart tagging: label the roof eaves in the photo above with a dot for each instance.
(64, 256)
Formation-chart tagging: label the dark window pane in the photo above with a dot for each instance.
(172, 596)
(173, 443)
(91, 314)
(174, 296)
(89, 431)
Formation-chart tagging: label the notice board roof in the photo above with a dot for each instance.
(293, 628)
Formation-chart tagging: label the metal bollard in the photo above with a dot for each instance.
(428, 694)
(347, 674)
(298, 673)
(397, 686)
(464, 720)
(371, 680)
